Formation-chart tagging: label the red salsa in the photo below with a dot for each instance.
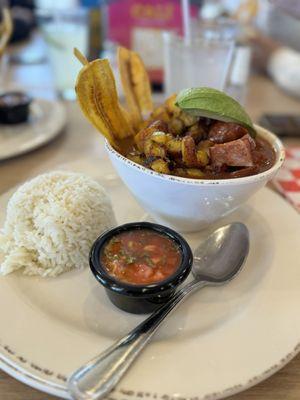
(141, 257)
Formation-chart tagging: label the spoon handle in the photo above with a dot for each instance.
(98, 377)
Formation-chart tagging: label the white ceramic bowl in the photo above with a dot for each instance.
(186, 204)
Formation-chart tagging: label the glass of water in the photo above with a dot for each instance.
(64, 29)
(204, 61)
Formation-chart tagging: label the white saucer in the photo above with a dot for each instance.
(46, 121)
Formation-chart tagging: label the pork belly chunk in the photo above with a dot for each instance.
(236, 153)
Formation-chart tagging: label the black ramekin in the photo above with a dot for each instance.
(14, 107)
(140, 299)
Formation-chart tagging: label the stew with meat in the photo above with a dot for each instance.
(177, 143)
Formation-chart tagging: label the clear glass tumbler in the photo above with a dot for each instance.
(204, 61)
(64, 29)
(239, 73)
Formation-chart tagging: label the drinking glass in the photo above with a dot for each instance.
(224, 28)
(64, 29)
(203, 61)
(236, 85)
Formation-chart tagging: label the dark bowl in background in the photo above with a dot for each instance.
(140, 299)
(14, 107)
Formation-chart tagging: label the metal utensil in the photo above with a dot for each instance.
(216, 261)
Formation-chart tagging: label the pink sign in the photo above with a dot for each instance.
(138, 24)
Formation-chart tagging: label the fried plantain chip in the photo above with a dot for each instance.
(80, 57)
(98, 99)
(136, 85)
(125, 74)
(6, 29)
(141, 84)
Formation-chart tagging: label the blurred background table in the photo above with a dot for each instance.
(79, 140)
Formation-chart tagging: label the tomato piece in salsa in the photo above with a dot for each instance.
(141, 257)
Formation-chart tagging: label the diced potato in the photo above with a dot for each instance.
(174, 146)
(154, 149)
(176, 126)
(143, 135)
(194, 173)
(180, 172)
(202, 157)
(171, 107)
(136, 158)
(197, 132)
(188, 119)
(159, 137)
(160, 166)
(164, 116)
(157, 111)
(169, 137)
(188, 149)
(161, 113)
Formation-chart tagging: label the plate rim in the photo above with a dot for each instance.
(60, 390)
(32, 380)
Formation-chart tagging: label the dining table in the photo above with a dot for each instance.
(80, 140)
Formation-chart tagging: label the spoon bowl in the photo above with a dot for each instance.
(222, 255)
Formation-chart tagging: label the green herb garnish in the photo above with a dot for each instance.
(212, 103)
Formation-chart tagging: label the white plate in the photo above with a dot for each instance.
(46, 121)
(221, 341)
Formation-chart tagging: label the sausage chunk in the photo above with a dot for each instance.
(223, 132)
(236, 153)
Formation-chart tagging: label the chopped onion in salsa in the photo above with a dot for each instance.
(141, 257)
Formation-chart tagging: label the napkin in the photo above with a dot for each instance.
(287, 181)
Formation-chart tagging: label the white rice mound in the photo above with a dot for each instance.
(51, 223)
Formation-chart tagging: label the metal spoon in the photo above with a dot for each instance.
(216, 261)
